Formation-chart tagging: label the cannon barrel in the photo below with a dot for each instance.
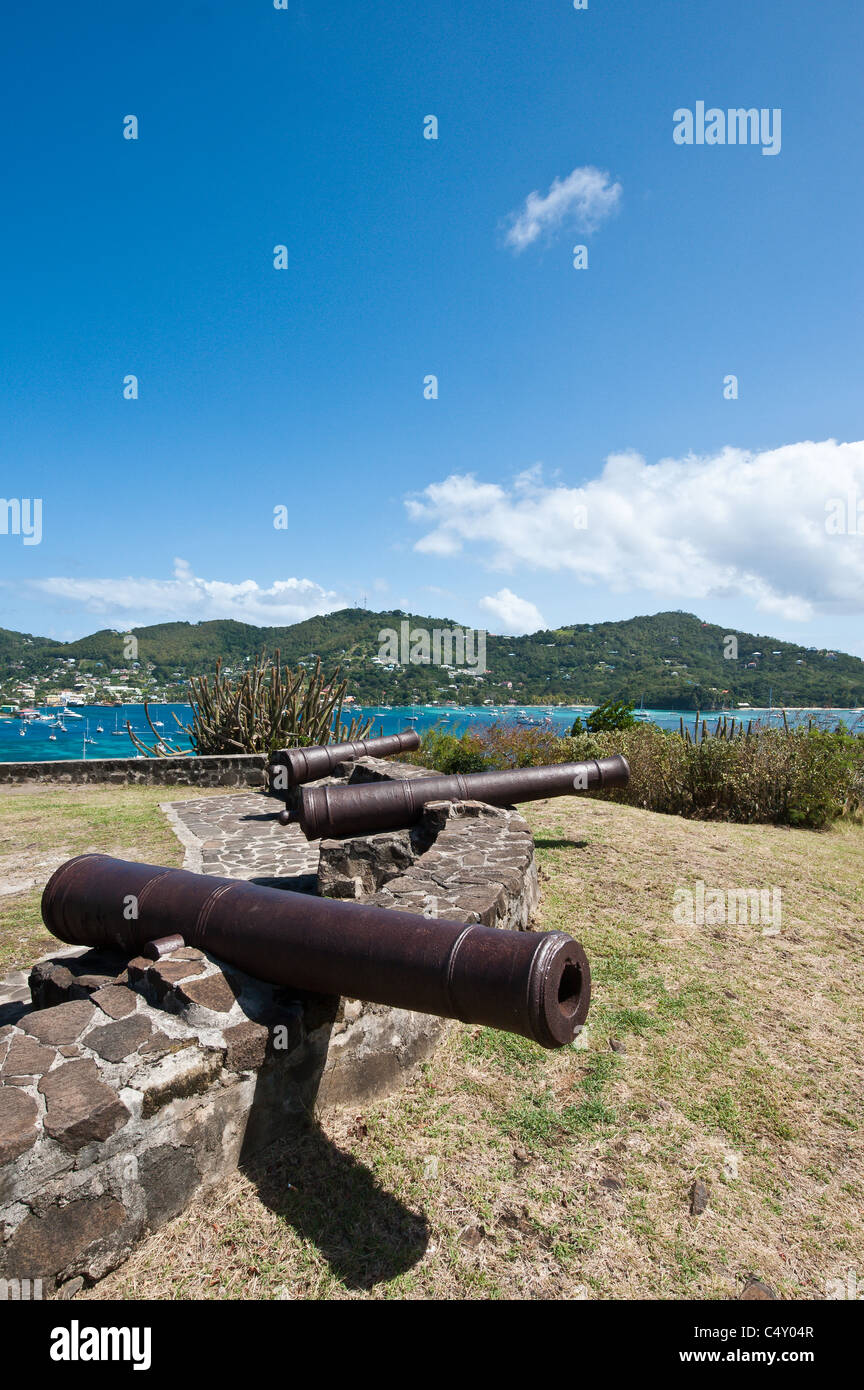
(537, 984)
(366, 808)
(291, 766)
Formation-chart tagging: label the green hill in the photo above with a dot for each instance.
(672, 659)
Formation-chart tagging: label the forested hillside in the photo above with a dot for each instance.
(673, 660)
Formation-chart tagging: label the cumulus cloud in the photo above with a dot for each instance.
(514, 615)
(582, 201)
(733, 524)
(134, 602)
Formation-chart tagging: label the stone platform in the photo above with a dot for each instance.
(127, 1085)
(239, 836)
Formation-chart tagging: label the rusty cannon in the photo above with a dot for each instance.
(289, 767)
(537, 984)
(364, 809)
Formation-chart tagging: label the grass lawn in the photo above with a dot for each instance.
(42, 826)
(506, 1171)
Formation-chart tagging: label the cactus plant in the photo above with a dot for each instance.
(269, 707)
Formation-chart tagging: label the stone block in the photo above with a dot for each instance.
(49, 1242)
(56, 981)
(212, 992)
(18, 1116)
(62, 1024)
(50, 984)
(357, 867)
(180, 1074)
(169, 1177)
(246, 1046)
(169, 971)
(81, 1108)
(26, 1057)
(117, 1001)
(118, 1040)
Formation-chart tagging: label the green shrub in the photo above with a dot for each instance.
(612, 715)
(805, 777)
(785, 776)
(447, 753)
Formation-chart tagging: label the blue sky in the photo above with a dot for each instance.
(558, 389)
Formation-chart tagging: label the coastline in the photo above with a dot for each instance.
(30, 741)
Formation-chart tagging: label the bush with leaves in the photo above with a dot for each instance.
(612, 715)
(806, 777)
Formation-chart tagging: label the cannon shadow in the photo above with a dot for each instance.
(330, 1198)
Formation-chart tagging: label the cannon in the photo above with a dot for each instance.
(337, 812)
(537, 984)
(291, 766)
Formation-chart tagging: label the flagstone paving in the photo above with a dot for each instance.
(239, 836)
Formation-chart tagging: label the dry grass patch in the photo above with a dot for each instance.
(42, 826)
(504, 1171)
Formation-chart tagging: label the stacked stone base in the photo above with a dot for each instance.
(128, 1085)
(139, 1082)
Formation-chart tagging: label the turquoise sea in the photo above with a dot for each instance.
(32, 741)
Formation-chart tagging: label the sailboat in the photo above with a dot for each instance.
(117, 732)
(87, 738)
(640, 713)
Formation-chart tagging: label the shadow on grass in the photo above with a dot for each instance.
(365, 1234)
(541, 843)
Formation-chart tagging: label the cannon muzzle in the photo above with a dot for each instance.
(291, 766)
(537, 984)
(366, 808)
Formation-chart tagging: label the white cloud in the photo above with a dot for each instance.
(134, 602)
(734, 524)
(515, 615)
(582, 201)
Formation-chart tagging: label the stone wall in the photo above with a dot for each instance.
(128, 1085)
(226, 770)
(465, 861)
(133, 1084)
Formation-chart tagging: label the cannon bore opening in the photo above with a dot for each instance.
(570, 988)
